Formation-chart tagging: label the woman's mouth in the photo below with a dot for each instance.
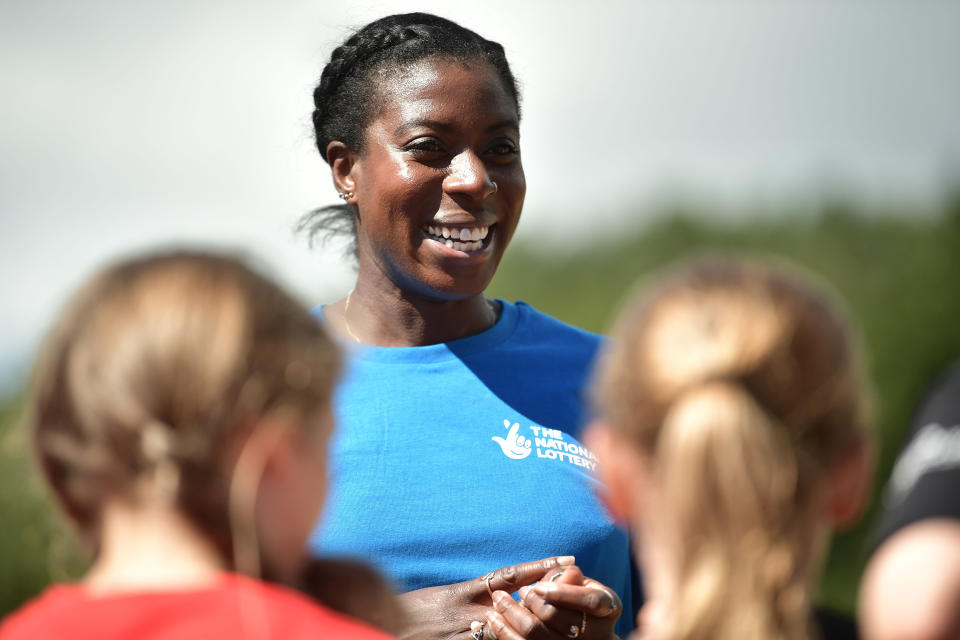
(459, 238)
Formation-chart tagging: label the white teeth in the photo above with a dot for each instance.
(468, 238)
(467, 246)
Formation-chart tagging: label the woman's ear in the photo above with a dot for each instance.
(343, 165)
(613, 470)
(279, 452)
(849, 484)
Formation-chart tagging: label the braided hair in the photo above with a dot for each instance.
(348, 94)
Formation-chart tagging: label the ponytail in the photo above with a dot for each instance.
(740, 382)
(738, 521)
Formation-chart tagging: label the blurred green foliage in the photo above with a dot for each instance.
(898, 274)
(36, 544)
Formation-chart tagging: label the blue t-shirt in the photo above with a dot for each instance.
(454, 459)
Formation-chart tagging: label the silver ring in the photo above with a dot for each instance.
(575, 631)
(476, 628)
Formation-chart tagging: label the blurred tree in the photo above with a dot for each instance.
(36, 544)
(897, 273)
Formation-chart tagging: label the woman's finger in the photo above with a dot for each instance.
(615, 605)
(498, 628)
(595, 599)
(565, 575)
(520, 619)
(513, 577)
(564, 621)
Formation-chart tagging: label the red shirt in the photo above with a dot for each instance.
(237, 608)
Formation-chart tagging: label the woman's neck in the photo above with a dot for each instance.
(151, 547)
(389, 317)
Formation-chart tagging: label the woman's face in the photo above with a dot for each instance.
(439, 183)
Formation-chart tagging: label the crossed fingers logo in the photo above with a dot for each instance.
(514, 445)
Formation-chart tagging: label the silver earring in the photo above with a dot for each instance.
(345, 195)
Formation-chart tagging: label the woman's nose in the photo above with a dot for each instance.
(469, 176)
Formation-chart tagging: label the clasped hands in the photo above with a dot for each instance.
(556, 602)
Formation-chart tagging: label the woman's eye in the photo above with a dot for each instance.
(504, 148)
(425, 146)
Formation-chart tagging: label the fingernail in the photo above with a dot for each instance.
(499, 597)
(543, 588)
(565, 561)
(523, 592)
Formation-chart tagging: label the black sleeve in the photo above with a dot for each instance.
(926, 477)
(833, 625)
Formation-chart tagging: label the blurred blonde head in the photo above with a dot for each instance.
(736, 387)
(158, 374)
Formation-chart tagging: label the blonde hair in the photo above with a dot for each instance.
(741, 383)
(158, 365)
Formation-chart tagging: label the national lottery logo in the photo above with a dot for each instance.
(546, 443)
(514, 445)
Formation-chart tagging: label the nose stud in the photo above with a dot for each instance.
(494, 187)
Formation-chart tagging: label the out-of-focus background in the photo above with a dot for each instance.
(823, 132)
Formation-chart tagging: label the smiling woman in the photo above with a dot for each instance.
(454, 407)
(438, 180)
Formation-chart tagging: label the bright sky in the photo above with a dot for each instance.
(126, 125)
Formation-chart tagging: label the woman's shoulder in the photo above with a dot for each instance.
(41, 615)
(237, 607)
(535, 324)
(294, 615)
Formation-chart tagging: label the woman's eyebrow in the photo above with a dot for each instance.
(442, 126)
(432, 124)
